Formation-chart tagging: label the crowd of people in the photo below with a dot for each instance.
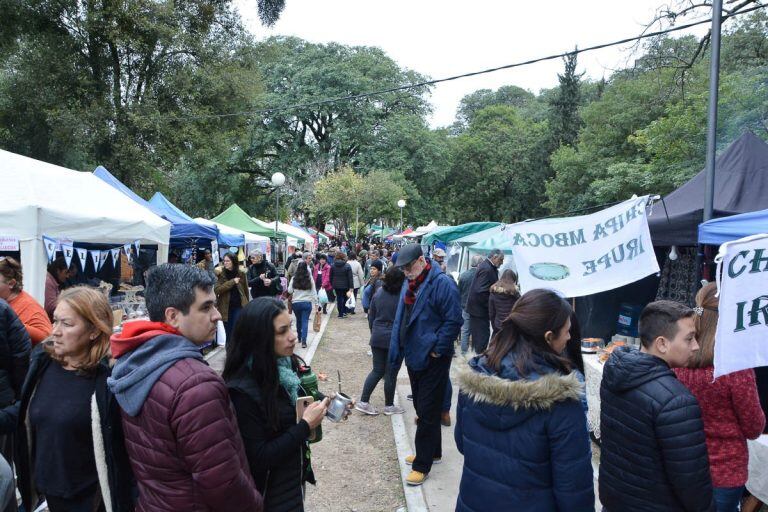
(96, 421)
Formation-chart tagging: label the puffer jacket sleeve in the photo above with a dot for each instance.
(680, 433)
(209, 443)
(19, 346)
(571, 458)
(447, 298)
(458, 429)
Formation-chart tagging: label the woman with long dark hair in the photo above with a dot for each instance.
(520, 424)
(231, 291)
(302, 286)
(261, 374)
(381, 316)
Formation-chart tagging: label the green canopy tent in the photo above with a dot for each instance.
(235, 217)
(453, 233)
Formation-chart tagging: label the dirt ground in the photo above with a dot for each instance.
(356, 462)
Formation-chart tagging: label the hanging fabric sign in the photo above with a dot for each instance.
(96, 257)
(215, 251)
(69, 253)
(115, 256)
(587, 254)
(741, 339)
(9, 243)
(82, 254)
(103, 256)
(50, 247)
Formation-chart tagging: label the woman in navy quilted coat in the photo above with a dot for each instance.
(520, 423)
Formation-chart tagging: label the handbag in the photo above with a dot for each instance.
(318, 321)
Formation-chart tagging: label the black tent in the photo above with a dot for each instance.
(741, 185)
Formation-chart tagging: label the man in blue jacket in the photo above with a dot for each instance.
(427, 322)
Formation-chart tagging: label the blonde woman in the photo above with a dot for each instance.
(70, 423)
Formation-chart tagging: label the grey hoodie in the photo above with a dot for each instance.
(135, 373)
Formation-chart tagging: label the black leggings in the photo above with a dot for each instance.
(381, 368)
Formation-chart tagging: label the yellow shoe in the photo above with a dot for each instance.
(409, 460)
(415, 478)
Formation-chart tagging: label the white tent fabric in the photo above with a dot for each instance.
(45, 199)
(296, 235)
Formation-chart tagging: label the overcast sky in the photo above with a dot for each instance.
(448, 37)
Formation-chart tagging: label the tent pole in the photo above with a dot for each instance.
(714, 73)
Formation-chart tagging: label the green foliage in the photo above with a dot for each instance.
(564, 121)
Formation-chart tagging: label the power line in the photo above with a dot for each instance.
(457, 77)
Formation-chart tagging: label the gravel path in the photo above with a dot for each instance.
(356, 462)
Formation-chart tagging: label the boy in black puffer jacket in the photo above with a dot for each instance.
(653, 455)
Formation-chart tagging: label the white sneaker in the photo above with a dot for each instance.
(366, 408)
(389, 410)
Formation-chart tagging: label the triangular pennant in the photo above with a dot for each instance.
(95, 257)
(50, 247)
(115, 256)
(215, 252)
(69, 252)
(83, 255)
(103, 255)
(137, 245)
(127, 250)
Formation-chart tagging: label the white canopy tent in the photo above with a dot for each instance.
(250, 238)
(295, 235)
(45, 199)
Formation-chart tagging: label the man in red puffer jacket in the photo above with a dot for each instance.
(181, 433)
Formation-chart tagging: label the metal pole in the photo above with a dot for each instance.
(714, 74)
(277, 209)
(401, 219)
(357, 220)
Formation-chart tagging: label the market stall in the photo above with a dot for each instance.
(65, 205)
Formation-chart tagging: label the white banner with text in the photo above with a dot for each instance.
(587, 254)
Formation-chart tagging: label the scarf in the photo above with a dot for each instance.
(413, 286)
(288, 378)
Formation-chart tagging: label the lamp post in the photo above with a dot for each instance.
(401, 205)
(278, 180)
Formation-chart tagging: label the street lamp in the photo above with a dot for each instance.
(278, 180)
(401, 205)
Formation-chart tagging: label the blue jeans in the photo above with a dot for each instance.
(728, 499)
(302, 311)
(229, 325)
(464, 331)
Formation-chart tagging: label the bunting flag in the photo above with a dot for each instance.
(215, 251)
(103, 255)
(95, 257)
(115, 256)
(137, 245)
(127, 251)
(69, 252)
(83, 255)
(50, 247)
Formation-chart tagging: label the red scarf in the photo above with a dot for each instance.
(413, 286)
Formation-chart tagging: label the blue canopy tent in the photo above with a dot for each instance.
(162, 203)
(184, 230)
(719, 231)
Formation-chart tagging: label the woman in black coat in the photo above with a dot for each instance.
(70, 445)
(261, 374)
(342, 281)
(504, 294)
(381, 316)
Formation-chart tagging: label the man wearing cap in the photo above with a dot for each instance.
(427, 322)
(438, 256)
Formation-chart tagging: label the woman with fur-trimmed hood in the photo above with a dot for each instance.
(520, 424)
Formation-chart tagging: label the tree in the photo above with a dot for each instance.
(122, 84)
(499, 167)
(564, 121)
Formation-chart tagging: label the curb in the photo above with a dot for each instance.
(318, 336)
(414, 496)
